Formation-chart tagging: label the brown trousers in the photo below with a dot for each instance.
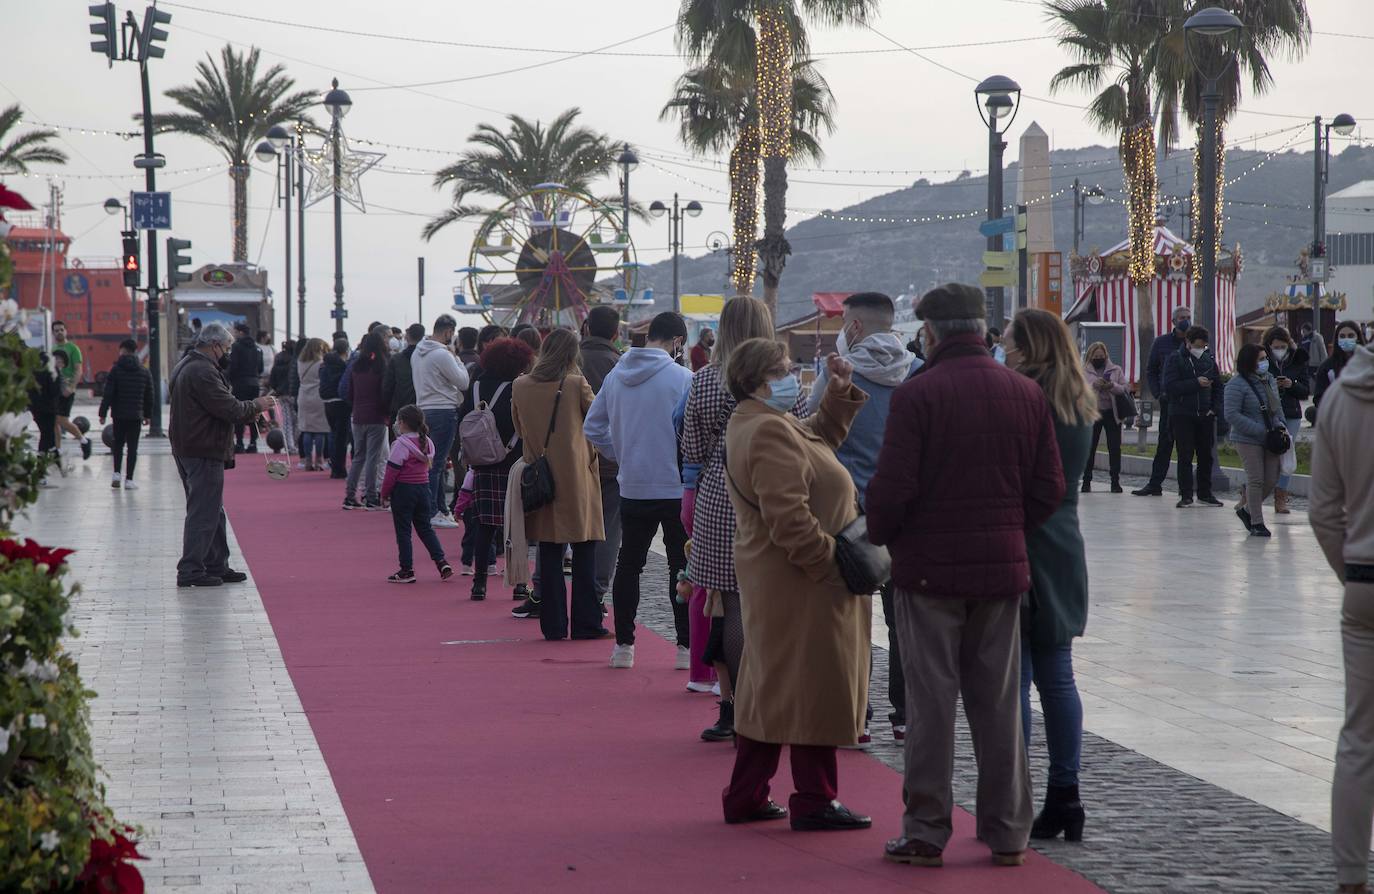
(973, 647)
(1352, 787)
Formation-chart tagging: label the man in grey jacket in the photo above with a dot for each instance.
(440, 381)
(599, 357)
(1342, 516)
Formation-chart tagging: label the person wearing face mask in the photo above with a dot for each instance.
(881, 363)
(1252, 409)
(1288, 367)
(631, 423)
(1348, 338)
(1315, 348)
(1107, 380)
(701, 351)
(806, 651)
(1164, 349)
(440, 381)
(1193, 383)
(995, 346)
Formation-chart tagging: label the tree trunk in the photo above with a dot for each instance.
(773, 77)
(1145, 334)
(773, 247)
(238, 176)
(744, 203)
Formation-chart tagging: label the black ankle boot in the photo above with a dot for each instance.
(724, 730)
(1116, 485)
(1063, 812)
(479, 588)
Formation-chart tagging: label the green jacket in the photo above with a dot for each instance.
(1058, 609)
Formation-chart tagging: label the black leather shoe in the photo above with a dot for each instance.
(205, 580)
(1209, 500)
(769, 811)
(603, 633)
(834, 818)
(1148, 491)
(913, 852)
(230, 576)
(1243, 514)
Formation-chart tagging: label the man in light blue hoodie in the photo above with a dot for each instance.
(881, 363)
(631, 423)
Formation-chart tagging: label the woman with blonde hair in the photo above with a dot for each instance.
(1056, 609)
(310, 416)
(1107, 382)
(711, 564)
(548, 407)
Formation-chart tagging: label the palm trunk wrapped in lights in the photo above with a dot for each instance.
(744, 204)
(1142, 192)
(238, 176)
(773, 77)
(1197, 190)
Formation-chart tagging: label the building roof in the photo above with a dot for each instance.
(1362, 190)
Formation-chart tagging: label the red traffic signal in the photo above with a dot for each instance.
(130, 262)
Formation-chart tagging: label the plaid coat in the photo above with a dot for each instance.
(709, 406)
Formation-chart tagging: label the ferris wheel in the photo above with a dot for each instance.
(546, 256)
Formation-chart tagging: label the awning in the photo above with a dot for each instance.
(830, 304)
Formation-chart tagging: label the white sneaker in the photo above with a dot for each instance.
(115, 481)
(694, 686)
(623, 656)
(441, 520)
(129, 484)
(684, 659)
(715, 688)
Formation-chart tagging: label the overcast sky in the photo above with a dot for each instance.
(895, 111)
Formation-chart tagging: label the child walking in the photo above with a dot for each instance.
(407, 485)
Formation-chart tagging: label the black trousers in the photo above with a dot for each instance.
(126, 432)
(553, 612)
(1165, 448)
(47, 431)
(896, 680)
(246, 390)
(484, 539)
(410, 509)
(337, 413)
(639, 522)
(1195, 435)
(1107, 422)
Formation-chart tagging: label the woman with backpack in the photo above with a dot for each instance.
(491, 445)
(548, 407)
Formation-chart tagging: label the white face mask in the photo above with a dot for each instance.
(396, 345)
(1197, 352)
(1280, 353)
(842, 344)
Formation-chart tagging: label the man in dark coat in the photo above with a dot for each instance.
(1193, 383)
(969, 465)
(245, 377)
(398, 384)
(337, 411)
(1164, 347)
(128, 397)
(599, 357)
(204, 413)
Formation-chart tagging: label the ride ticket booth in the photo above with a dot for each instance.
(217, 293)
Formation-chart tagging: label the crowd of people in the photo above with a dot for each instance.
(571, 453)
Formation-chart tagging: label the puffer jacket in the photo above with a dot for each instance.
(970, 464)
(331, 372)
(245, 361)
(1245, 414)
(1294, 368)
(1186, 396)
(128, 392)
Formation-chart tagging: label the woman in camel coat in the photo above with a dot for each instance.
(574, 516)
(804, 681)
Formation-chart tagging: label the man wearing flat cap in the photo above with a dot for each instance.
(969, 465)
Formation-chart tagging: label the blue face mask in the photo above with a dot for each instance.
(1183, 324)
(1346, 344)
(1263, 366)
(784, 396)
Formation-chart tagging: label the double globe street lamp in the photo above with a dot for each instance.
(691, 209)
(339, 104)
(283, 147)
(998, 98)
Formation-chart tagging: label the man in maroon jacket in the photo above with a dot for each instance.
(969, 464)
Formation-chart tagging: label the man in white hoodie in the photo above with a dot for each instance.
(1343, 517)
(440, 381)
(631, 423)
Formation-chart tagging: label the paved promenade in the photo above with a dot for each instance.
(1211, 675)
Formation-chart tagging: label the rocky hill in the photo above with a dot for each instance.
(836, 255)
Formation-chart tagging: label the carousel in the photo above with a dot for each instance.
(1104, 293)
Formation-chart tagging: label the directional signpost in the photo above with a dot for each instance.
(151, 210)
(1002, 266)
(1002, 226)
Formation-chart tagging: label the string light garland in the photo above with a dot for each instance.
(744, 206)
(1142, 191)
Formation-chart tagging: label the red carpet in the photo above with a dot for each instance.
(470, 755)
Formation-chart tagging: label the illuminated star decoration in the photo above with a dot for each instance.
(352, 165)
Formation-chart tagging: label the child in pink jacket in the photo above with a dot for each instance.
(407, 485)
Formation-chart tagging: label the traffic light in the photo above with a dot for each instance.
(176, 260)
(149, 33)
(104, 28)
(130, 263)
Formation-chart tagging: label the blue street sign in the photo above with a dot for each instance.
(338, 314)
(999, 227)
(152, 210)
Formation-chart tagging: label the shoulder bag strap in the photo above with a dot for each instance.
(476, 395)
(1264, 405)
(553, 417)
(725, 463)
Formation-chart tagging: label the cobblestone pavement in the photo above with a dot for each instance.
(1151, 828)
(197, 725)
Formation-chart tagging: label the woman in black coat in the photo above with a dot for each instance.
(1348, 338)
(128, 398)
(1288, 366)
(44, 397)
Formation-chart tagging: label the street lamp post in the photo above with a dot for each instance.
(278, 147)
(1343, 124)
(692, 209)
(1210, 37)
(628, 161)
(1093, 195)
(114, 206)
(998, 99)
(338, 103)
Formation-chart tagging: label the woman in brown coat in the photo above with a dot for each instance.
(804, 680)
(548, 406)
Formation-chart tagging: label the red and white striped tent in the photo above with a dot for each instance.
(1103, 293)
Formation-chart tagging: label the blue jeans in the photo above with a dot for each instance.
(443, 428)
(410, 506)
(1052, 671)
(1293, 425)
(314, 443)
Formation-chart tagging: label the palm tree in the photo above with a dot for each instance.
(25, 149)
(716, 108)
(718, 31)
(1112, 42)
(509, 164)
(231, 107)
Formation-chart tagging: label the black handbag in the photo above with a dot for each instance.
(536, 479)
(1125, 406)
(1276, 440)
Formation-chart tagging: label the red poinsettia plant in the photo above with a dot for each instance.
(108, 871)
(14, 551)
